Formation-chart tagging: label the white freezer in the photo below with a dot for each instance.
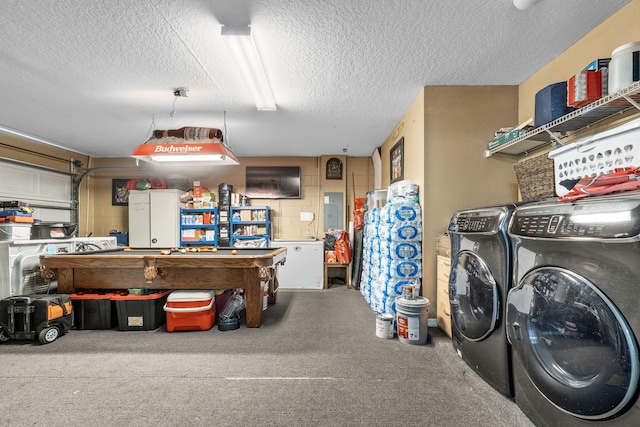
(304, 265)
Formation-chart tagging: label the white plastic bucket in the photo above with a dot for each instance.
(412, 316)
(384, 326)
(624, 67)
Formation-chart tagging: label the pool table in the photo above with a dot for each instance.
(241, 268)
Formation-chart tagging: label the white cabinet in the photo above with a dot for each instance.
(154, 219)
(304, 266)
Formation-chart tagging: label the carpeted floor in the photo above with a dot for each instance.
(316, 361)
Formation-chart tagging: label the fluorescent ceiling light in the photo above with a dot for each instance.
(244, 52)
(200, 152)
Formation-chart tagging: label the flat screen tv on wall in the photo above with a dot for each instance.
(273, 182)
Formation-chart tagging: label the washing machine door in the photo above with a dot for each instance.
(575, 345)
(473, 295)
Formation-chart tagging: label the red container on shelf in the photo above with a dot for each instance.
(190, 310)
(585, 88)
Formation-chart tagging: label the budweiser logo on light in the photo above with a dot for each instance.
(178, 148)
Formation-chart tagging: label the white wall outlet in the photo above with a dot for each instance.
(306, 216)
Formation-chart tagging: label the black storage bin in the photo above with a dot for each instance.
(141, 312)
(53, 230)
(94, 311)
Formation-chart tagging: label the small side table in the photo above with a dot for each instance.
(328, 265)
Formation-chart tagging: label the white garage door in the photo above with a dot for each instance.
(48, 191)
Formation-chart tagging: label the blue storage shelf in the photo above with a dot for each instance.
(194, 221)
(249, 223)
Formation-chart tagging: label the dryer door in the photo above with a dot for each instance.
(473, 295)
(575, 345)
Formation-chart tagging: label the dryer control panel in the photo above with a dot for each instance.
(605, 218)
(480, 221)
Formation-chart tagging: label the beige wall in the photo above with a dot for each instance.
(446, 130)
(411, 128)
(357, 174)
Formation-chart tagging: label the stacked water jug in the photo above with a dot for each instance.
(392, 248)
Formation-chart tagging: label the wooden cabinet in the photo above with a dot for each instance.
(443, 311)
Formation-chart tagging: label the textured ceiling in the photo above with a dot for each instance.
(95, 76)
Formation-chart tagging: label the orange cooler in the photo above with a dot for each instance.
(190, 310)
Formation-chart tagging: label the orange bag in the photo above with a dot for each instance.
(358, 213)
(343, 248)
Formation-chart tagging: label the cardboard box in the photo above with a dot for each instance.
(245, 215)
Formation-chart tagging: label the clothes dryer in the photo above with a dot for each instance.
(478, 284)
(572, 317)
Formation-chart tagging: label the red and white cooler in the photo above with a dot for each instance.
(190, 310)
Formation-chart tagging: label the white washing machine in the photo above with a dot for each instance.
(573, 316)
(20, 261)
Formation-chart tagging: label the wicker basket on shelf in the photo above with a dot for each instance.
(536, 177)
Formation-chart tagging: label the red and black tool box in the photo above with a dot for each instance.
(45, 317)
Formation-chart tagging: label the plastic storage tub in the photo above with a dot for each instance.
(140, 312)
(94, 310)
(597, 155)
(55, 230)
(190, 310)
(15, 231)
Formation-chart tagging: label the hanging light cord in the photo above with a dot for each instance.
(224, 127)
(173, 107)
(152, 126)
